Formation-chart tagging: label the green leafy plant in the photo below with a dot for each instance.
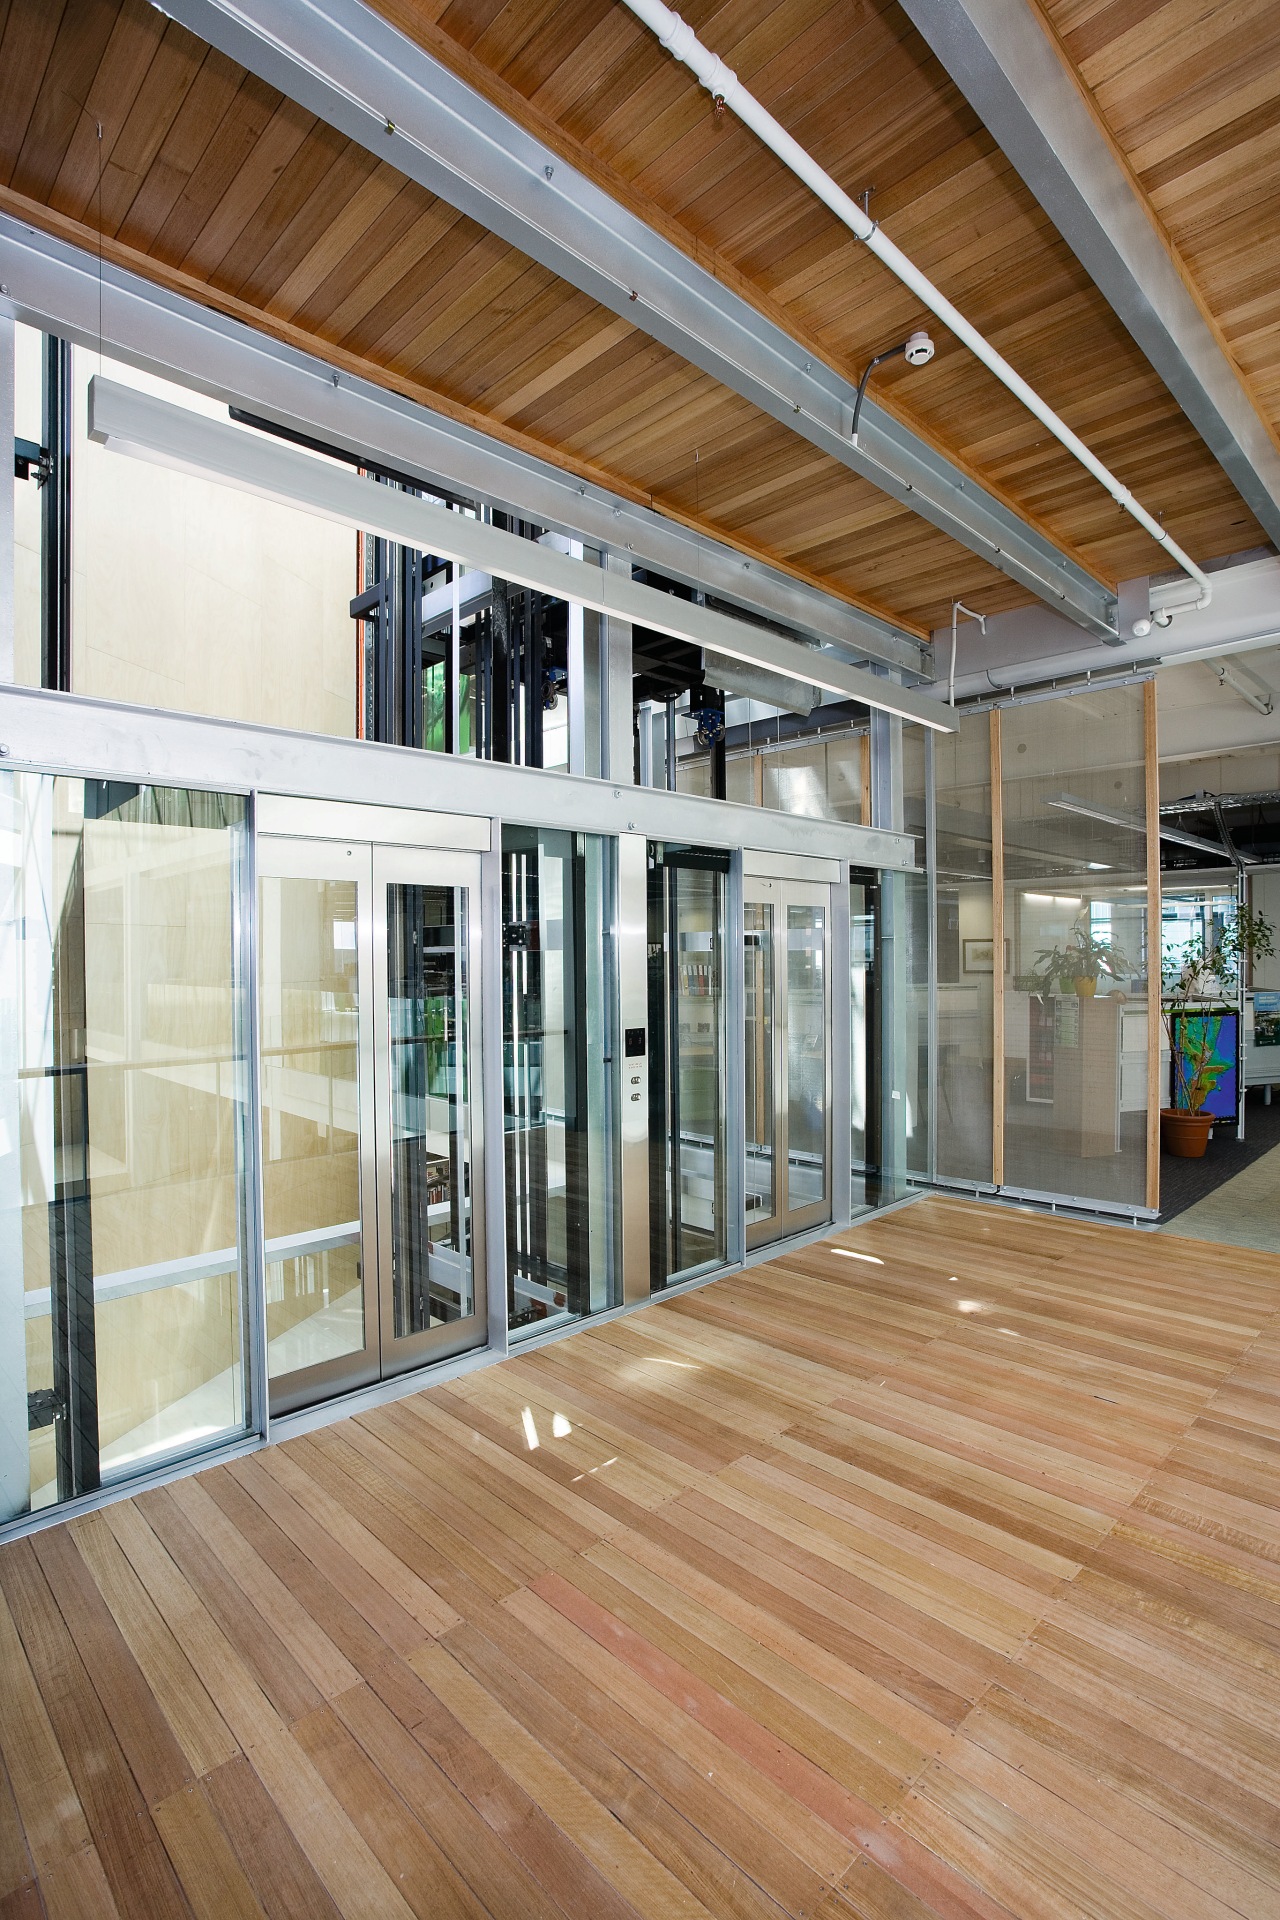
(1245, 940)
(1084, 957)
(1089, 958)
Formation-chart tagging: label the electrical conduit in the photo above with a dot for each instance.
(723, 84)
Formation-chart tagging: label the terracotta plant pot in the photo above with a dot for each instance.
(1184, 1134)
(1085, 989)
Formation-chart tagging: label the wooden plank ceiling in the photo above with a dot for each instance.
(1192, 98)
(211, 182)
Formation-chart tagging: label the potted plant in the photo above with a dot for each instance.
(1078, 966)
(1088, 958)
(1050, 970)
(1185, 1126)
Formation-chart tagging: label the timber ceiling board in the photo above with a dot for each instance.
(855, 84)
(1190, 92)
(214, 183)
(211, 176)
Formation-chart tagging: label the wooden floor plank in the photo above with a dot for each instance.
(134, 1861)
(931, 1572)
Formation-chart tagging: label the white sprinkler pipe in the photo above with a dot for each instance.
(958, 607)
(722, 83)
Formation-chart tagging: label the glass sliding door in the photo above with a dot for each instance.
(786, 934)
(122, 1130)
(427, 1268)
(864, 1050)
(758, 1060)
(370, 1111)
(808, 1059)
(687, 1144)
(559, 996)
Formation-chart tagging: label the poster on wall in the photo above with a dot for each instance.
(1207, 1044)
(1266, 1019)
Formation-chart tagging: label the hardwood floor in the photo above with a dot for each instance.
(934, 1570)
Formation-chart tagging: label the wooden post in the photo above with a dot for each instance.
(1152, 767)
(997, 955)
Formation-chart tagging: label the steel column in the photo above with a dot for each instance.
(7, 379)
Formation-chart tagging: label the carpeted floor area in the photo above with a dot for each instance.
(1184, 1183)
(1244, 1212)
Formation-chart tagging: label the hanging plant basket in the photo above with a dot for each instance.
(1185, 1135)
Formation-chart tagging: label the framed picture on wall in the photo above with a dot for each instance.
(979, 956)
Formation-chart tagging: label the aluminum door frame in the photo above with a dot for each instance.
(773, 890)
(279, 857)
(427, 867)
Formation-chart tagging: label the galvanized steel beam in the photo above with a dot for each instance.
(1014, 77)
(50, 284)
(353, 70)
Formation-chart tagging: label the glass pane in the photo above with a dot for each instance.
(908, 913)
(966, 977)
(761, 1174)
(430, 1152)
(560, 1130)
(310, 1074)
(687, 1068)
(1076, 926)
(121, 1131)
(806, 1056)
(862, 1038)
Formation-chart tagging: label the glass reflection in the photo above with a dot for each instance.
(559, 990)
(121, 1130)
(761, 1169)
(430, 1170)
(687, 1158)
(806, 1056)
(310, 1080)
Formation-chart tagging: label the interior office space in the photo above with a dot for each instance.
(640, 770)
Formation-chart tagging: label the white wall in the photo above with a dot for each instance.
(194, 597)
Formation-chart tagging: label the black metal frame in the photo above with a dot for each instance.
(55, 517)
(666, 864)
(528, 1249)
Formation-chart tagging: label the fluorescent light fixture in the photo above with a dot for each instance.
(127, 421)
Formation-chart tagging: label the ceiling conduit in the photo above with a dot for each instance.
(723, 85)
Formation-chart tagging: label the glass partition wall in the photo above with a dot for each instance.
(1076, 973)
(1018, 951)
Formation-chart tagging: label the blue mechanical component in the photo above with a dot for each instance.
(710, 725)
